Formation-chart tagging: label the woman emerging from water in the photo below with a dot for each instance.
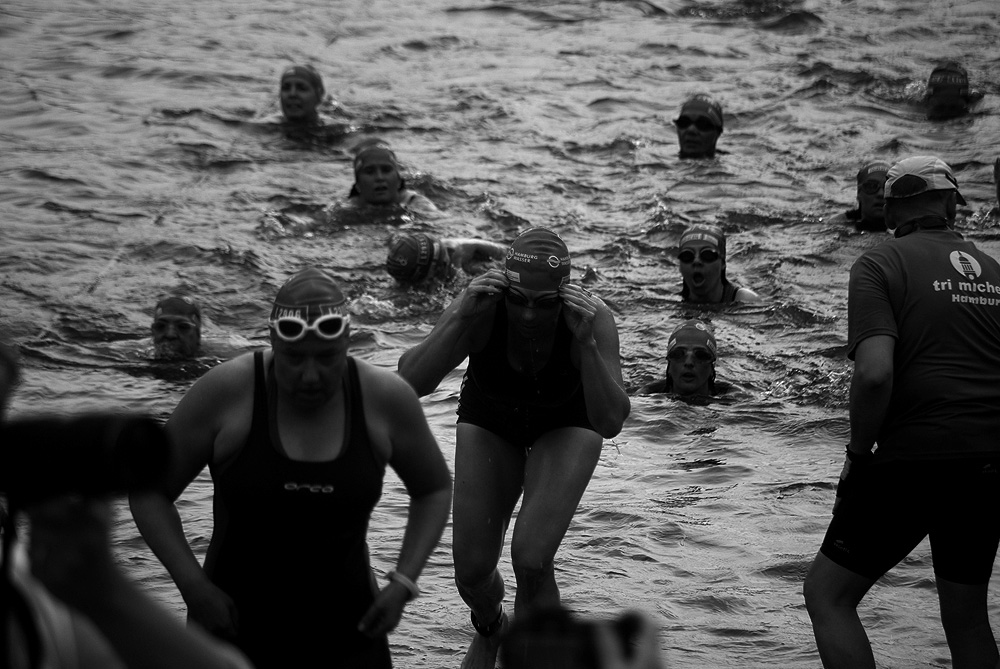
(378, 181)
(702, 257)
(543, 389)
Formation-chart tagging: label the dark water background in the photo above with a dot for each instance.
(137, 159)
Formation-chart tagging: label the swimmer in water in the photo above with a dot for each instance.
(379, 182)
(948, 93)
(871, 198)
(702, 257)
(699, 126)
(691, 354)
(421, 258)
(301, 93)
(176, 328)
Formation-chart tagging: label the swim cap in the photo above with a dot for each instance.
(706, 233)
(309, 294)
(307, 72)
(703, 105)
(950, 78)
(372, 149)
(694, 332)
(920, 174)
(876, 167)
(178, 305)
(538, 260)
(413, 258)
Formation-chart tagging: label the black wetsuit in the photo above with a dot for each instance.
(289, 542)
(522, 407)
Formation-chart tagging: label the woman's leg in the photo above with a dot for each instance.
(489, 472)
(557, 472)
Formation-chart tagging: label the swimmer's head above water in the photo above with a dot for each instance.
(699, 126)
(176, 327)
(377, 177)
(702, 258)
(301, 92)
(871, 195)
(691, 354)
(948, 92)
(414, 258)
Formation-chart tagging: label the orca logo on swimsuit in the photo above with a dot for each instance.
(965, 265)
(292, 486)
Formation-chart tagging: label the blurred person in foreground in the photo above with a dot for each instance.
(379, 182)
(869, 213)
(65, 602)
(702, 258)
(923, 331)
(553, 638)
(542, 390)
(176, 328)
(699, 126)
(297, 439)
(691, 354)
(422, 258)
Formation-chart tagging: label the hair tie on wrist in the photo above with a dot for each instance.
(406, 582)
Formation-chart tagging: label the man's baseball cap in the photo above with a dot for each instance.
(920, 174)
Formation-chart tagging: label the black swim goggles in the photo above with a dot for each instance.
(702, 123)
(293, 328)
(701, 354)
(707, 255)
(871, 186)
(182, 326)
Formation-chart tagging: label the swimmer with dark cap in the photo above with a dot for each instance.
(420, 258)
(301, 94)
(378, 180)
(542, 390)
(702, 258)
(869, 214)
(297, 438)
(948, 94)
(176, 328)
(699, 126)
(691, 355)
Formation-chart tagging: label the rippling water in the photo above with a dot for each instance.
(138, 158)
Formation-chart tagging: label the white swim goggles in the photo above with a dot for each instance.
(293, 328)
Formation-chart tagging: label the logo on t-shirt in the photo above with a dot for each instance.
(965, 265)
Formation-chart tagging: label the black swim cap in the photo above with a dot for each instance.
(413, 258)
(309, 294)
(538, 260)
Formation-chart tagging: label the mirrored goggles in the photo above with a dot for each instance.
(702, 123)
(872, 186)
(701, 354)
(706, 254)
(293, 328)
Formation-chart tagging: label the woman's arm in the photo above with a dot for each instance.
(596, 338)
(450, 342)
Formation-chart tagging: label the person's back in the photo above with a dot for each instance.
(945, 296)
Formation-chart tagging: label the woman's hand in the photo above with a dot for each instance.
(580, 312)
(482, 293)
